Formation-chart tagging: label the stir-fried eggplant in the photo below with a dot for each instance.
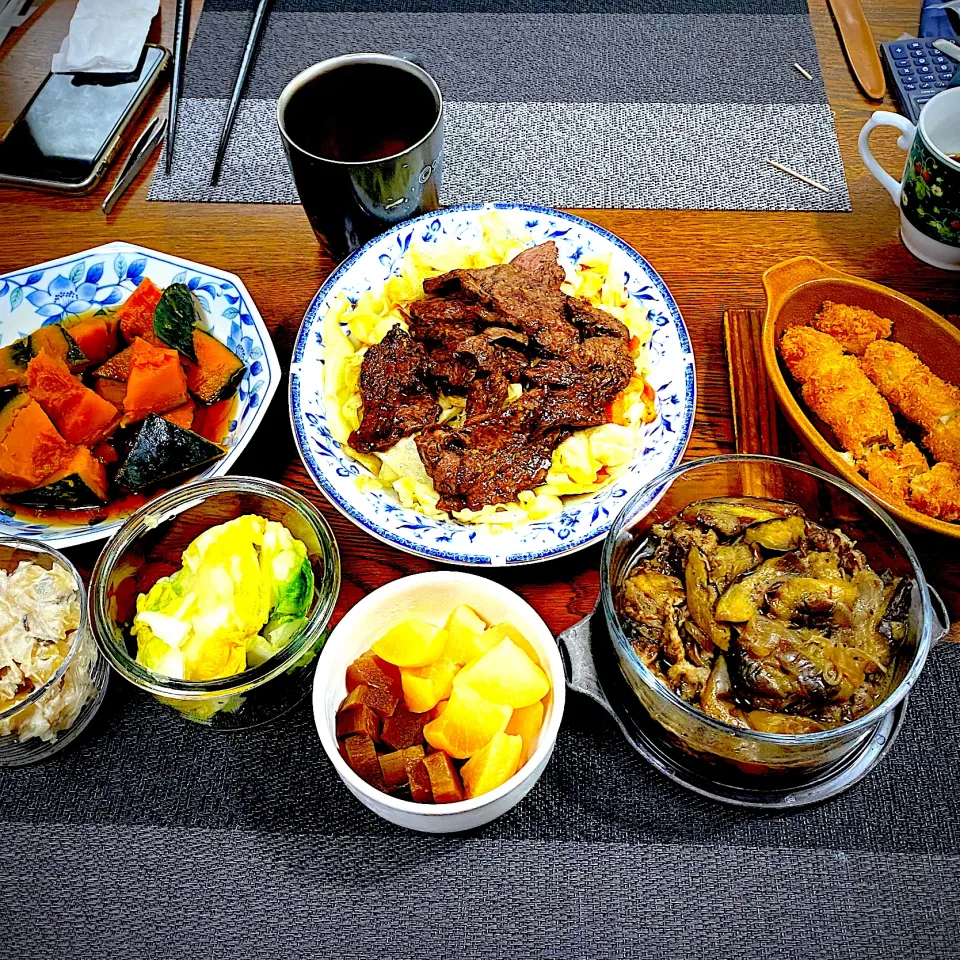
(763, 618)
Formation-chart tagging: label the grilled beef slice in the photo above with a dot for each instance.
(396, 396)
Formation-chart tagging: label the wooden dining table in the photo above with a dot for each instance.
(712, 261)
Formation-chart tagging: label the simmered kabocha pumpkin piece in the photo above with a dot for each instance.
(117, 367)
(175, 318)
(155, 384)
(162, 451)
(113, 391)
(31, 449)
(136, 312)
(183, 415)
(80, 482)
(217, 372)
(80, 415)
(93, 337)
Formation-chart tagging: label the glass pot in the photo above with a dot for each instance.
(149, 545)
(750, 754)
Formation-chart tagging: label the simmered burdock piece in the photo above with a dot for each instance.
(374, 672)
(358, 720)
(444, 779)
(381, 702)
(361, 755)
(417, 777)
(404, 729)
(394, 769)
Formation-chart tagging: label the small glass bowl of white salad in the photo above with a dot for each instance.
(216, 598)
(52, 678)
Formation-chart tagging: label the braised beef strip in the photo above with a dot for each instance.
(476, 332)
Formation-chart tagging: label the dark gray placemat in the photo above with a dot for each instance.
(669, 104)
(155, 838)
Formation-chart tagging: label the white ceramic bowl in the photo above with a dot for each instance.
(431, 596)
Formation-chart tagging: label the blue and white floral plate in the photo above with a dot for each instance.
(103, 278)
(585, 519)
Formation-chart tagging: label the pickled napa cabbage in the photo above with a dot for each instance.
(243, 592)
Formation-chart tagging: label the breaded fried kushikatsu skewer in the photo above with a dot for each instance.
(892, 470)
(904, 379)
(907, 382)
(937, 492)
(854, 327)
(838, 391)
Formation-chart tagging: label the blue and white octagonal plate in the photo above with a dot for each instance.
(104, 277)
(585, 519)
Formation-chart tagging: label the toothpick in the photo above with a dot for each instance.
(799, 176)
(803, 73)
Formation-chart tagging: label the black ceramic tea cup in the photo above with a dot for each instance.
(364, 137)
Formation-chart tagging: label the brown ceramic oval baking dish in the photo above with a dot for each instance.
(795, 291)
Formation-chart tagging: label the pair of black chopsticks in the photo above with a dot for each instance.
(179, 60)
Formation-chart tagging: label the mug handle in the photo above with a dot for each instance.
(884, 118)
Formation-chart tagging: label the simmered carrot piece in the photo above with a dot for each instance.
(156, 382)
(136, 313)
(78, 413)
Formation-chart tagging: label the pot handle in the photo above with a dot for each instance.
(940, 613)
(576, 649)
(784, 277)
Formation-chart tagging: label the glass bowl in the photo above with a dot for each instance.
(83, 671)
(149, 545)
(832, 502)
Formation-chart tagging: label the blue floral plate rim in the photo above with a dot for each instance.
(396, 534)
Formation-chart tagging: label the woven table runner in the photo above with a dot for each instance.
(151, 837)
(659, 104)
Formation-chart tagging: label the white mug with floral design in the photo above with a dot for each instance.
(928, 193)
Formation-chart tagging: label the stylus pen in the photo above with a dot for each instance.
(256, 31)
(179, 59)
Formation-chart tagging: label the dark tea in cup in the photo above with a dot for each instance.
(364, 137)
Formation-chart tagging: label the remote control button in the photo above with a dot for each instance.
(898, 50)
(924, 70)
(901, 63)
(926, 86)
(918, 53)
(922, 103)
(915, 46)
(942, 83)
(938, 59)
(943, 68)
(911, 86)
(920, 62)
(904, 72)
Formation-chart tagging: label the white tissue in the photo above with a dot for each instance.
(106, 36)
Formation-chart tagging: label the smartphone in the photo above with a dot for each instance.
(70, 130)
